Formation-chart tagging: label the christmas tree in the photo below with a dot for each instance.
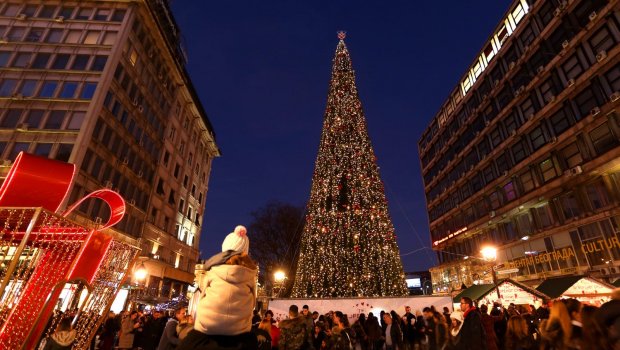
(348, 246)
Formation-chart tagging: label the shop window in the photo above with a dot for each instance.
(602, 139)
(589, 235)
(572, 68)
(609, 231)
(41, 60)
(54, 36)
(537, 137)
(519, 151)
(11, 118)
(548, 170)
(598, 194)
(571, 155)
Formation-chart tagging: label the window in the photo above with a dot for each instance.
(109, 38)
(569, 205)
(47, 11)
(54, 36)
(30, 10)
(73, 37)
(40, 60)
(91, 37)
(34, 35)
(185, 181)
(61, 60)
(602, 139)
(84, 13)
(511, 123)
(503, 163)
(80, 62)
(496, 137)
(489, 174)
(519, 151)
(4, 58)
(560, 121)
(76, 120)
(34, 118)
(43, 149)
(602, 40)
(177, 169)
(586, 101)
(28, 87)
(11, 118)
(88, 91)
(509, 191)
(66, 12)
(64, 152)
(598, 194)
(547, 90)
(102, 14)
(118, 15)
(496, 200)
(572, 67)
(99, 63)
(55, 120)
(68, 89)
(7, 86)
(133, 57)
(537, 138)
(48, 90)
(17, 33)
(571, 155)
(17, 148)
(545, 216)
(613, 77)
(22, 60)
(181, 206)
(547, 169)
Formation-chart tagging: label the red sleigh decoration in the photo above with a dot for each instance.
(44, 251)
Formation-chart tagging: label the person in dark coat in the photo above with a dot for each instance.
(170, 339)
(393, 335)
(472, 332)
(373, 332)
(488, 322)
(409, 327)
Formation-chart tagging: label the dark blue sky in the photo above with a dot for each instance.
(262, 69)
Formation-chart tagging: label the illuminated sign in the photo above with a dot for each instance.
(454, 234)
(413, 283)
(495, 44)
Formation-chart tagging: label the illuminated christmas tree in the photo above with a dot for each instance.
(348, 244)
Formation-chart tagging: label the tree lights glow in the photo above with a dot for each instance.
(348, 244)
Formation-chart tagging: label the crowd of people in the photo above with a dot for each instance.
(226, 319)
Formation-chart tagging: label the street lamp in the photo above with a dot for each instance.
(278, 278)
(140, 272)
(489, 253)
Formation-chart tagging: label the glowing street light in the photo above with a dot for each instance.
(489, 253)
(279, 276)
(140, 272)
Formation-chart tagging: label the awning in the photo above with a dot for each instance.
(574, 286)
(474, 292)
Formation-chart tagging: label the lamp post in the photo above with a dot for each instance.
(489, 253)
(278, 280)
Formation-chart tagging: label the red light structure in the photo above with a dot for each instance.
(41, 251)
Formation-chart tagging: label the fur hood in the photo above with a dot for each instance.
(64, 338)
(228, 301)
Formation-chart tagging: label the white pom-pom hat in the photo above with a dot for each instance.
(237, 240)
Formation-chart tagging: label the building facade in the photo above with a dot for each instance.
(103, 85)
(524, 154)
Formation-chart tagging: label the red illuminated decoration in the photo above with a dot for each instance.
(50, 250)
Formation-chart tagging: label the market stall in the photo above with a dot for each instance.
(510, 292)
(585, 289)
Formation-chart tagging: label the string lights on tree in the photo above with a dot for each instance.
(348, 246)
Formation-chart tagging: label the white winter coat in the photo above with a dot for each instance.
(228, 301)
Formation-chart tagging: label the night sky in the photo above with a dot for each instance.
(262, 70)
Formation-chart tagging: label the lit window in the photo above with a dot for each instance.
(48, 89)
(68, 89)
(109, 38)
(7, 87)
(133, 57)
(91, 37)
(88, 91)
(518, 13)
(73, 37)
(76, 121)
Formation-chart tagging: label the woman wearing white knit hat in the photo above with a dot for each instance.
(457, 321)
(224, 313)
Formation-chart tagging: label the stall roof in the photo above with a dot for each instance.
(477, 292)
(474, 292)
(554, 287)
(616, 283)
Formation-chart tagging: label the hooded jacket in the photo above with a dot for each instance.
(61, 340)
(229, 298)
